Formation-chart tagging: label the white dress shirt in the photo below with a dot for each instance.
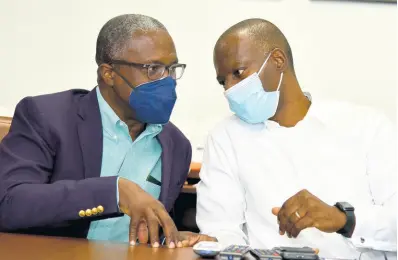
(338, 152)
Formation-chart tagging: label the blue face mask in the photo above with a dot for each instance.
(154, 101)
(250, 102)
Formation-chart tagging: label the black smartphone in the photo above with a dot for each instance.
(299, 256)
(307, 250)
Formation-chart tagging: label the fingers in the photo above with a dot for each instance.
(295, 214)
(153, 226)
(284, 218)
(275, 211)
(142, 232)
(195, 239)
(303, 223)
(290, 206)
(187, 238)
(169, 228)
(288, 229)
(133, 230)
(295, 217)
(185, 243)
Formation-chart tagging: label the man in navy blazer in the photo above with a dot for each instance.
(53, 162)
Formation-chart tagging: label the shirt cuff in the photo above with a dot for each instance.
(117, 193)
(363, 244)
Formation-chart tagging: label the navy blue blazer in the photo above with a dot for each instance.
(50, 165)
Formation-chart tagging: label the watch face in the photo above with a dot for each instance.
(346, 206)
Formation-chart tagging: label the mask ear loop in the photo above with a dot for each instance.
(123, 78)
(280, 81)
(265, 62)
(262, 67)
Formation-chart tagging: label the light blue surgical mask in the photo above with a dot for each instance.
(250, 102)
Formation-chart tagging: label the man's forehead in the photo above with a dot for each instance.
(236, 48)
(151, 46)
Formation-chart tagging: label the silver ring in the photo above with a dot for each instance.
(298, 215)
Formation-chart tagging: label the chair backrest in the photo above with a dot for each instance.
(5, 123)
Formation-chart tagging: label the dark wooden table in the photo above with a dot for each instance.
(24, 247)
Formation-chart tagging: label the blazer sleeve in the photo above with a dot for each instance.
(27, 199)
(187, 166)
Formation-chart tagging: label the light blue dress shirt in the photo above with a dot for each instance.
(137, 161)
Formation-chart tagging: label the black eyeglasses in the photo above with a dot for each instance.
(156, 71)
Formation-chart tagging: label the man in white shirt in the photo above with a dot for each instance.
(289, 169)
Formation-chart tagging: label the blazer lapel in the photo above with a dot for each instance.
(166, 157)
(90, 134)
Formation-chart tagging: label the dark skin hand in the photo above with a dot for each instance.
(150, 47)
(311, 211)
(188, 239)
(142, 207)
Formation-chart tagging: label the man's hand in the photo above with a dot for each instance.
(304, 210)
(143, 208)
(189, 239)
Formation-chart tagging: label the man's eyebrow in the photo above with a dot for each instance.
(239, 63)
(162, 63)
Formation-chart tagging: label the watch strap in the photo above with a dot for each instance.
(349, 226)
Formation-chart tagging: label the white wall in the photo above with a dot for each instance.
(342, 50)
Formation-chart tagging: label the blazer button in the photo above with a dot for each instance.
(94, 211)
(82, 213)
(100, 209)
(88, 212)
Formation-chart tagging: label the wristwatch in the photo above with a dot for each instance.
(349, 226)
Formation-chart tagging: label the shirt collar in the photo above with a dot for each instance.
(108, 116)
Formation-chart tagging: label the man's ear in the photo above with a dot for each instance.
(106, 74)
(280, 60)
